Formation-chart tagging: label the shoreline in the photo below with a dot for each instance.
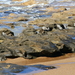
(64, 67)
(22, 61)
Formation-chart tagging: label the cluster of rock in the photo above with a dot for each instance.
(54, 37)
(33, 43)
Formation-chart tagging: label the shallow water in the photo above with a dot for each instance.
(73, 37)
(13, 69)
(35, 69)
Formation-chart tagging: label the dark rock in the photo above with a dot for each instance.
(16, 68)
(2, 57)
(9, 69)
(30, 45)
(69, 46)
(5, 32)
(38, 47)
(23, 20)
(13, 69)
(43, 67)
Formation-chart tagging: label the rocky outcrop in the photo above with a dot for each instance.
(5, 31)
(49, 40)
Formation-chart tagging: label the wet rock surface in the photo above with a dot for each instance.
(13, 69)
(30, 44)
(9, 69)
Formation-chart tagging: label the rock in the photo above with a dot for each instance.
(69, 46)
(40, 22)
(12, 14)
(41, 31)
(9, 69)
(6, 32)
(60, 9)
(8, 51)
(12, 25)
(1, 41)
(30, 2)
(56, 15)
(49, 27)
(48, 44)
(13, 69)
(30, 45)
(2, 57)
(16, 53)
(38, 46)
(62, 26)
(22, 19)
(48, 39)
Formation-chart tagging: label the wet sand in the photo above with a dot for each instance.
(22, 61)
(65, 65)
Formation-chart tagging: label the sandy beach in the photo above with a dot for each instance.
(22, 61)
(65, 65)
